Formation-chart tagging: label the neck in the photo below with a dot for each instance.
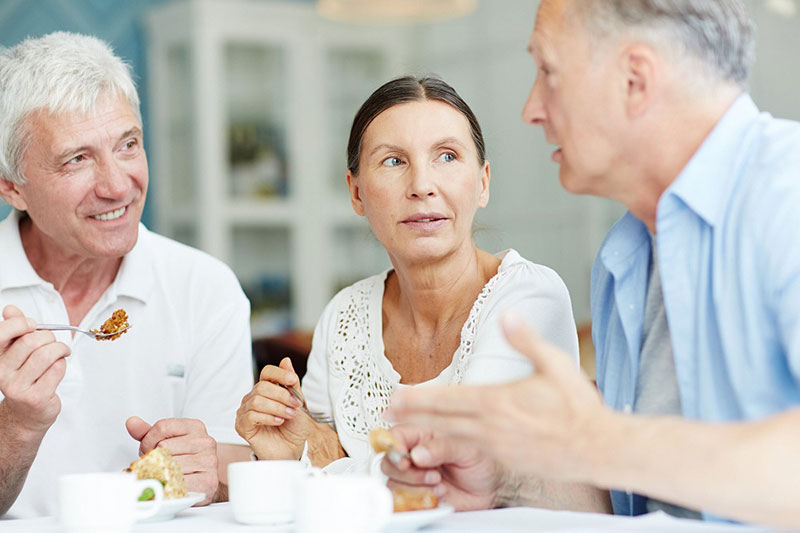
(677, 135)
(437, 294)
(80, 280)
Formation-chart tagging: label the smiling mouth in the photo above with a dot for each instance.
(111, 215)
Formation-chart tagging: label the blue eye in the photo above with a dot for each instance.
(447, 157)
(392, 162)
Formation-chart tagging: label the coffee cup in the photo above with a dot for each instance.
(104, 502)
(342, 503)
(262, 492)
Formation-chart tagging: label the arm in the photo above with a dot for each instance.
(553, 425)
(31, 367)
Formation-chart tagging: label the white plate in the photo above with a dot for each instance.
(413, 520)
(172, 507)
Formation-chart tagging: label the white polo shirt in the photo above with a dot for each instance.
(187, 354)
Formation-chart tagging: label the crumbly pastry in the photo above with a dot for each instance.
(417, 499)
(118, 324)
(159, 464)
(382, 440)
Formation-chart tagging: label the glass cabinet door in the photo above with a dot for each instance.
(255, 100)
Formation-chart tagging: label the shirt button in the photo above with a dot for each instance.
(627, 409)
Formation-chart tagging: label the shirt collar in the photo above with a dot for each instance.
(17, 270)
(701, 183)
(135, 276)
(623, 245)
(134, 279)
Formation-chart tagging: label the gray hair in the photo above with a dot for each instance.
(60, 72)
(716, 35)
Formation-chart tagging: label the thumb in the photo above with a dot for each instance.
(137, 428)
(10, 311)
(546, 358)
(286, 364)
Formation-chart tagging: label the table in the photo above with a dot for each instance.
(219, 518)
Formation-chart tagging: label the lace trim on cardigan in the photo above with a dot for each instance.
(368, 390)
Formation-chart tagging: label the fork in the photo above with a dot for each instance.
(96, 336)
(316, 416)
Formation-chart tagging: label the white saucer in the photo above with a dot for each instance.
(170, 508)
(413, 520)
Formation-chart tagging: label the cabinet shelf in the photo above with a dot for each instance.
(254, 97)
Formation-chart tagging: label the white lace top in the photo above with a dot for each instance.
(350, 376)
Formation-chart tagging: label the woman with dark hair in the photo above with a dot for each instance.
(417, 170)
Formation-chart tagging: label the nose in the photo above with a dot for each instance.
(533, 110)
(421, 183)
(112, 182)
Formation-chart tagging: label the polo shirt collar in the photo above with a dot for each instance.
(135, 276)
(134, 279)
(701, 185)
(17, 270)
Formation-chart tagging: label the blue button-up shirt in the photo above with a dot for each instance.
(728, 242)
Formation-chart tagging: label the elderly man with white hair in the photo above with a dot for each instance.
(73, 166)
(695, 291)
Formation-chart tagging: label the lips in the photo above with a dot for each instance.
(425, 221)
(111, 215)
(424, 218)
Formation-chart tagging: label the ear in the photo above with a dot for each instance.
(355, 194)
(486, 176)
(638, 63)
(11, 193)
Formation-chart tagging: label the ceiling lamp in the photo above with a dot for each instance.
(394, 11)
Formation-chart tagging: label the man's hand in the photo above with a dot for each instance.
(456, 471)
(543, 425)
(32, 365)
(189, 442)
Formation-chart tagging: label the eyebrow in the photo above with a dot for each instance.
(135, 131)
(392, 147)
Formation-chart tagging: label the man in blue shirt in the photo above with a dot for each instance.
(695, 291)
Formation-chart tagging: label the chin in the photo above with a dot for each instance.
(570, 182)
(115, 247)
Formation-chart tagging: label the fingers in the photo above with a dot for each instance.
(170, 427)
(11, 311)
(248, 422)
(280, 374)
(18, 351)
(452, 401)
(268, 406)
(137, 428)
(14, 325)
(41, 359)
(546, 358)
(191, 445)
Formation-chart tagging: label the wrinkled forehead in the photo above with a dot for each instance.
(549, 25)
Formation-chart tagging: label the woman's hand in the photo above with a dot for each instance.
(270, 417)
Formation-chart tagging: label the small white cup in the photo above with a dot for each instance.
(262, 492)
(342, 503)
(104, 502)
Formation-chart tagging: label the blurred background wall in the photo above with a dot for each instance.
(253, 190)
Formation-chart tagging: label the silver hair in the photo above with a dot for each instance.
(716, 35)
(59, 72)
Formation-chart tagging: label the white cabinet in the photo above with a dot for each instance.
(250, 109)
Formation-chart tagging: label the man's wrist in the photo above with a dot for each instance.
(14, 430)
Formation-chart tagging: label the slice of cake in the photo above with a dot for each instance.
(159, 464)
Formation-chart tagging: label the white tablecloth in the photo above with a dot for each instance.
(219, 518)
